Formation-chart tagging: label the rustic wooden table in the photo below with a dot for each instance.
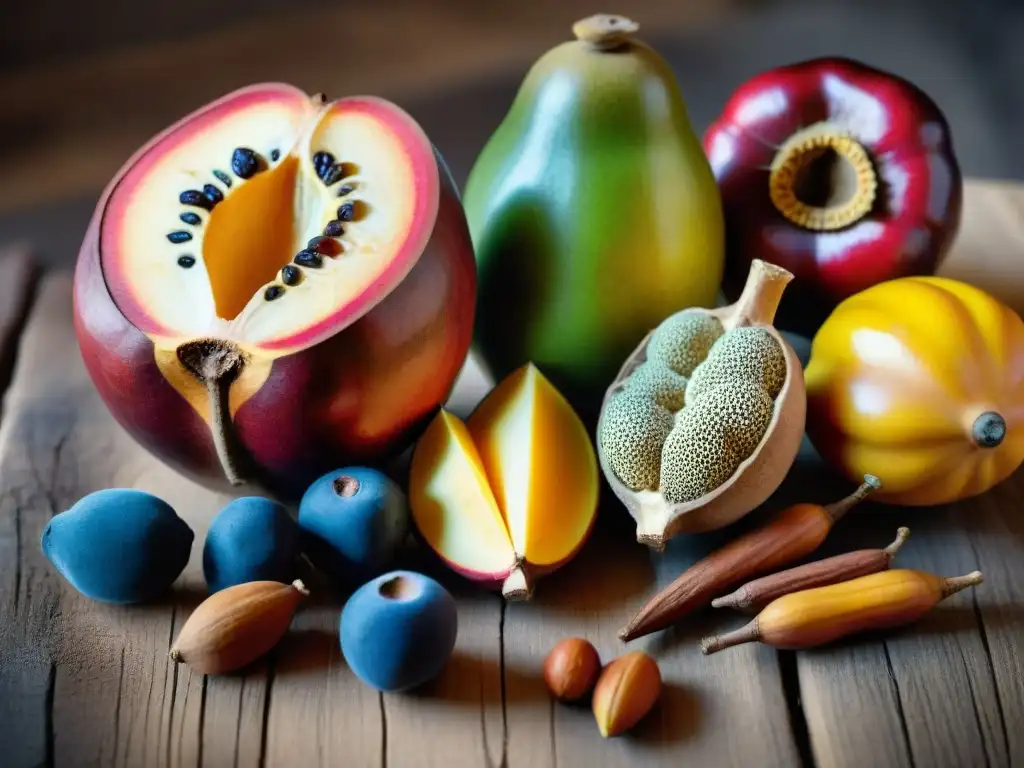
(83, 683)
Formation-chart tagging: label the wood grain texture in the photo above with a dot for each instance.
(934, 693)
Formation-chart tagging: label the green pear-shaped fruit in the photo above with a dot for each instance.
(594, 213)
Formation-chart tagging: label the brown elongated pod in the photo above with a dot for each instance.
(790, 534)
(818, 616)
(235, 626)
(756, 594)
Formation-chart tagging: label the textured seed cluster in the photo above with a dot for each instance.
(712, 437)
(686, 434)
(683, 340)
(657, 381)
(633, 430)
(746, 353)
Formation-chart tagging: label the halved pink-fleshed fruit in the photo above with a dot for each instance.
(277, 285)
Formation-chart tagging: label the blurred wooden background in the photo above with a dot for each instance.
(83, 84)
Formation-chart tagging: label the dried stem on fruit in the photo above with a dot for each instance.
(605, 31)
(216, 363)
(839, 508)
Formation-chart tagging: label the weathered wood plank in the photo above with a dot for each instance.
(724, 710)
(930, 694)
(92, 682)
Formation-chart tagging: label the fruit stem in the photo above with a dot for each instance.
(954, 584)
(517, 585)
(605, 31)
(761, 294)
(650, 527)
(901, 537)
(175, 655)
(839, 508)
(745, 634)
(216, 364)
(300, 587)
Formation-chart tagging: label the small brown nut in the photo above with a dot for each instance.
(571, 669)
(626, 691)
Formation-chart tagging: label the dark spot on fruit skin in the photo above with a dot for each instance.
(273, 292)
(212, 194)
(223, 178)
(334, 229)
(309, 259)
(179, 236)
(244, 162)
(325, 245)
(290, 275)
(346, 211)
(186, 262)
(191, 218)
(275, 154)
(195, 197)
(346, 189)
(346, 486)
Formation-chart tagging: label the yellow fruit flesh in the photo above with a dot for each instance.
(250, 236)
(540, 464)
(452, 503)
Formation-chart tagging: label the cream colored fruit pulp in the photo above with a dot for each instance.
(182, 300)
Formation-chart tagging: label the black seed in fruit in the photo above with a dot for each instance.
(223, 178)
(346, 211)
(191, 218)
(273, 292)
(309, 259)
(244, 163)
(334, 228)
(290, 275)
(195, 197)
(275, 154)
(179, 236)
(322, 162)
(212, 194)
(345, 190)
(325, 245)
(333, 175)
(186, 261)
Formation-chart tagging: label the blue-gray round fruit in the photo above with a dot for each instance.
(354, 521)
(119, 545)
(398, 631)
(250, 539)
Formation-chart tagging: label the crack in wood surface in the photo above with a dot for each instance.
(117, 707)
(790, 678)
(900, 714)
(173, 686)
(202, 716)
(983, 633)
(504, 684)
(974, 703)
(383, 731)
